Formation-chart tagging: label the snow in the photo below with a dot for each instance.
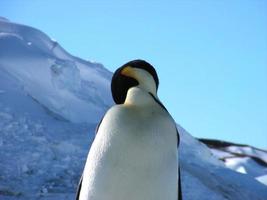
(3, 19)
(70, 87)
(241, 158)
(262, 179)
(247, 150)
(50, 103)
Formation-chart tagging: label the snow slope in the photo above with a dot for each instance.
(50, 102)
(241, 158)
(67, 85)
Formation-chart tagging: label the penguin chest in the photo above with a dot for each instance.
(134, 156)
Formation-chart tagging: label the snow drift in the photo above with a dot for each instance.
(68, 86)
(242, 158)
(50, 102)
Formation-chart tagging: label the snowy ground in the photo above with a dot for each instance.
(241, 158)
(50, 102)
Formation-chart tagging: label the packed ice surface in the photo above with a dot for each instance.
(50, 103)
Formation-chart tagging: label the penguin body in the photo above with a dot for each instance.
(134, 155)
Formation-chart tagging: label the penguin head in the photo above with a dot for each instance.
(136, 73)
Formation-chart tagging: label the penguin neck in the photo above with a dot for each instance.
(137, 96)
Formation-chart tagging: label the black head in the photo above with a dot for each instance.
(120, 83)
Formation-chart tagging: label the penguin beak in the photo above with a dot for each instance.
(129, 71)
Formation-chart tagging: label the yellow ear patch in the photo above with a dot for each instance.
(128, 71)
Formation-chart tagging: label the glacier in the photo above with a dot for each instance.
(50, 104)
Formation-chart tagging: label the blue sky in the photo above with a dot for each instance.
(211, 56)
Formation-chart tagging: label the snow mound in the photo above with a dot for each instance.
(239, 157)
(66, 85)
(50, 102)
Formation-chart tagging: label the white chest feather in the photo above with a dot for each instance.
(134, 156)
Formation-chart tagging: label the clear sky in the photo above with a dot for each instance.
(211, 56)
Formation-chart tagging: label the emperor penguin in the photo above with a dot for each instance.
(134, 155)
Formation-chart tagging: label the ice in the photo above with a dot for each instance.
(71, 87)
(241, 169)
(66, 75)
(262, 179)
